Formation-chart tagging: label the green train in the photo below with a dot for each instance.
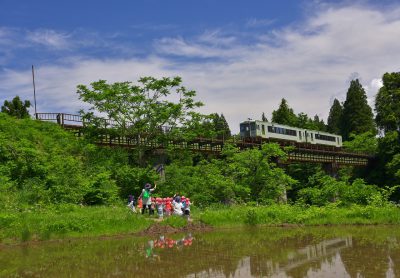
(267, 130)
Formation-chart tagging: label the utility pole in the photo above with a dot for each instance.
(34, 90)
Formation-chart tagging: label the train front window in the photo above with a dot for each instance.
(244, 127)
(252, 126)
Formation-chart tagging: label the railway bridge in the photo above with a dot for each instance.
(331, 157)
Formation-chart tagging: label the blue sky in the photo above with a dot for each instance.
(241, 57)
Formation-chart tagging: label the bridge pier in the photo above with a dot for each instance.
(331, 169)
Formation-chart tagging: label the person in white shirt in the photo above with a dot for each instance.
(177, 206)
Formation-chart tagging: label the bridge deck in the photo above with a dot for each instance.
(298, 152)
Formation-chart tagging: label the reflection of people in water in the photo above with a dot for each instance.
(163, 242)
(150, 252)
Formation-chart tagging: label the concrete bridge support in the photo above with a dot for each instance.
(331, 169)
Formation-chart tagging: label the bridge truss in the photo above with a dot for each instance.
(297, 152)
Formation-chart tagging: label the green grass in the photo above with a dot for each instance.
(290, 214)
(69, 221)
(175, 221)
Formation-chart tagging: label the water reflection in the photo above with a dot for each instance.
(269, 252)
(166, 242)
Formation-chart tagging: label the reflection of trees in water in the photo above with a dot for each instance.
(365, 260)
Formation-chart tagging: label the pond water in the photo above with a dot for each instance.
(354, 251)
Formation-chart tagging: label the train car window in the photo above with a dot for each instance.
(325, 137)
(263, 129)
(281, 130)
(312, 136)
(300, 135)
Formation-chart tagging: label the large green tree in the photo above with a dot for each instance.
(387, 107)
(142, 109)
(335, 114)
(357, 115)
(16, 108)
(387, 103)
(223, 127)
(284, 115)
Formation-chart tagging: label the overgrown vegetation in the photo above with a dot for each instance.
(53, 183)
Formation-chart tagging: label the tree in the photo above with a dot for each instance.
(143, 109)
(387, 103)
(263, 118)
(318, 124)
(284, 115)
(335, 114)
(225, 127)
(16, 108)
(357, 115)
(303, 121)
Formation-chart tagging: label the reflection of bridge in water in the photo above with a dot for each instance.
(332, 157)
(313, 253)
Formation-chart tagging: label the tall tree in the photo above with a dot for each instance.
(263, 118)
(303, 121)
(16, 108)
(318, 124)
(220, 125)
(227, 131)
(387, 103)
(357, 115)
(334, 117)
(284, 115)
(142, 109)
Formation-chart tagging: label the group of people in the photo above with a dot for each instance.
(175, 205)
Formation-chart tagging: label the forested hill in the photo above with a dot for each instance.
(40, 163)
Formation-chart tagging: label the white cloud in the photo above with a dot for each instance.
(49, 38)
(308, 64)
(258, 22)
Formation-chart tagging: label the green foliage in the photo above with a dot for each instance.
(263, 117)
(335, 115)
(42, 164)
(365, 143)
(251, 217)
(298, 214)
(357, 115)
(242, 176)
(220, 126)
(142, 109)
(303, 121)
(16, 108)
(68, 220)
(284, 115)
(387, 103)
(322, 190)
(175, 221)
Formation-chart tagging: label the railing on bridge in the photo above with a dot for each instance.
(300, 152)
